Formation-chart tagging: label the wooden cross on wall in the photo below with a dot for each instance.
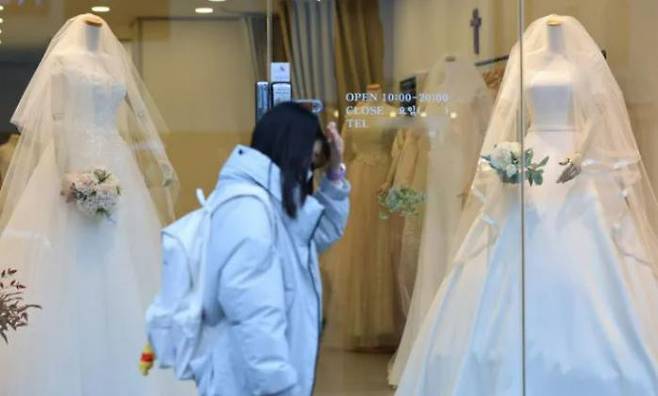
(476, 22)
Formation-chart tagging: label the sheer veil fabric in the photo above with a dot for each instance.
(454, 135)
(607, 144)
(93, 276)
(138, 121)
(590, 279)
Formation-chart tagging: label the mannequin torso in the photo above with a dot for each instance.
(92, 35)
(550, 98)
(549, 93)
(549, 89)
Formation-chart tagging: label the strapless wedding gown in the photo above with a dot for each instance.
(92, 277)
(590, 307)
(589, 311)
(452, 156)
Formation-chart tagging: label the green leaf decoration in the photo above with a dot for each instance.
(530, 171)
(539, 179)
(529, 153)
(403, 201)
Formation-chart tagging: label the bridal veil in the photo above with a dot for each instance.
(138, 121)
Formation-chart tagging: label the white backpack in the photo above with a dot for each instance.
(174, 319)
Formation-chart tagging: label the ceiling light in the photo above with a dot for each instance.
(2, 7)
(204, 10)
(100, 9)
(1, 20)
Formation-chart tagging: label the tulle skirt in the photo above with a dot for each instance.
(93, 278)
(587, 324)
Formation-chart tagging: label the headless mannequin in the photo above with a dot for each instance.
(550, 90)
(449, 68)
(91, 45)
(92, 35)
(551, 101)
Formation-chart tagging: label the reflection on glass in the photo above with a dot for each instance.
(414, 114)
(452, 145)
(91, 160)
(94, 275)
(428, 290)
(579, 102)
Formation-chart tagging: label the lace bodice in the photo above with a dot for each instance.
(91, 97)
(86, 100)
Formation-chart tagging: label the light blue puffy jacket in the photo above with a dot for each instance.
(263, 289)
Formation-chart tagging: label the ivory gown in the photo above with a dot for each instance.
(590, 308)
(447, 156)
(93, 277)
(362, 309)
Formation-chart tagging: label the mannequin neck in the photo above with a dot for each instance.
(378, 94)
(92, 38)
(449, 68)
(555, 39)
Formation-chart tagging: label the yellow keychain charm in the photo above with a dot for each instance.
(146, 360)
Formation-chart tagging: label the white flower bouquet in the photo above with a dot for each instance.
(506, 160)
(95, 192)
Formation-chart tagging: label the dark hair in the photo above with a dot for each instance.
(287, 135)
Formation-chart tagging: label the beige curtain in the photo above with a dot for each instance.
(358, 36)
(357, 48)
(283, 17)
(307, 28)
(256, 30)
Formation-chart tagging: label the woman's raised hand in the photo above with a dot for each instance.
(336, 146)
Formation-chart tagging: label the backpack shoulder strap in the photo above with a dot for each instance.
(237, 190)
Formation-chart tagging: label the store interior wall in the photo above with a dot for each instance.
(20, 57)
(418, 33)
(201, 75)
(641, 86)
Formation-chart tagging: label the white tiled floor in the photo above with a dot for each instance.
(343, 373)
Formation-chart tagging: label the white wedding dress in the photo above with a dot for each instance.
(93, 277)
(590, 306)
(452, 159)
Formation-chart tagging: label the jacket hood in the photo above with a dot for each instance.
(250, 165)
